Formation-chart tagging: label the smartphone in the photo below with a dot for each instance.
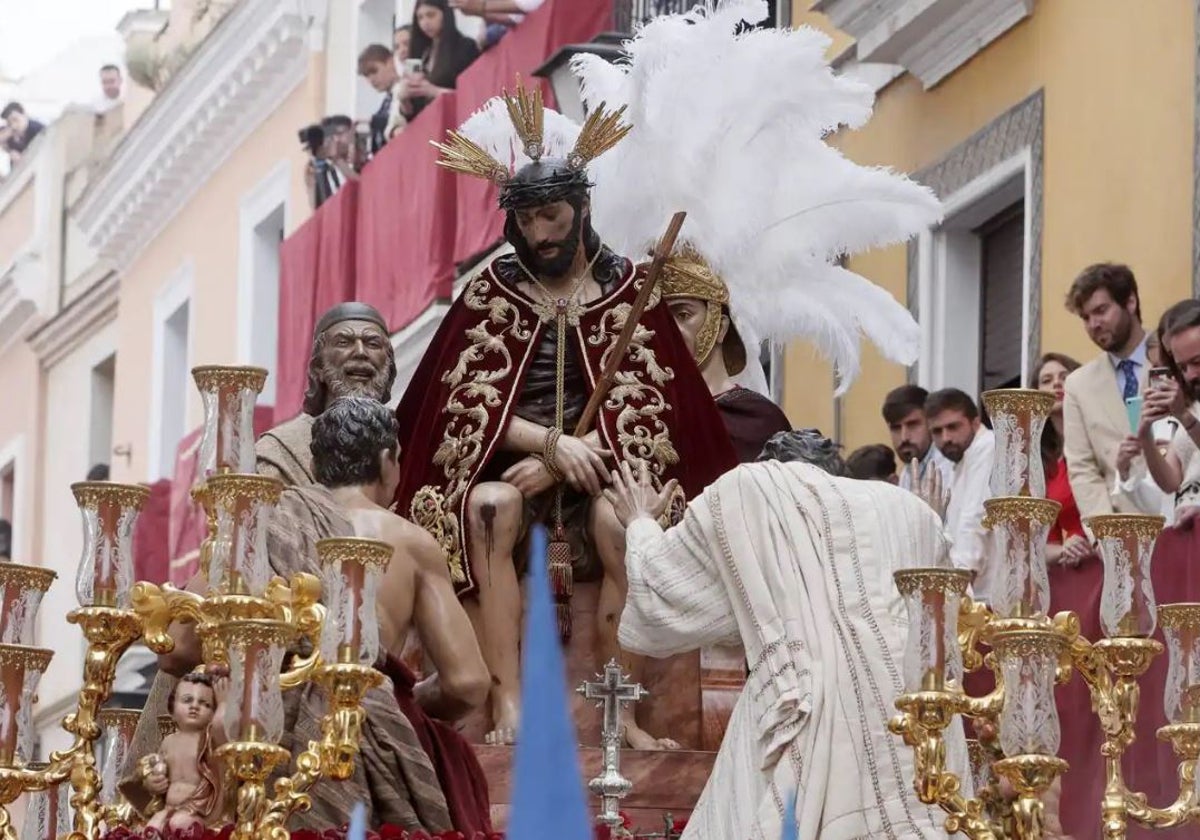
(412, 66)
(1159, 376)
(1133, 407)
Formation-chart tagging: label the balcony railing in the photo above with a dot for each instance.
(630, 14)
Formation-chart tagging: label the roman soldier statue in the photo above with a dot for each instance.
(491, 423)
(699, 301)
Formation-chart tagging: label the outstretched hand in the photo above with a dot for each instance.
(634, 498)
(930, 487)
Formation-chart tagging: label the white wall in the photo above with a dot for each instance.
(262, 219)
(68, 457)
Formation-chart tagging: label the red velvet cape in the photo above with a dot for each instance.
(456, 410)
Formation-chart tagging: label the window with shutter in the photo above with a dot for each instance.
(1002, 250)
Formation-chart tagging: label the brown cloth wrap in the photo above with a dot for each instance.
(393, 775)
(284, 452)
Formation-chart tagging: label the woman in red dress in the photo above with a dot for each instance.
(1076, 581)
(1069, 545)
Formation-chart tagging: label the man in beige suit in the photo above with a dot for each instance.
(1105, 297)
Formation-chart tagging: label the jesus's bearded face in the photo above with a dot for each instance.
(552, 234)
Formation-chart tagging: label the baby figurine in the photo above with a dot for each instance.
(185, 773)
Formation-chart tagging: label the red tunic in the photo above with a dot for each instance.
(456, 410)
(1058, 488)
(751, 420)
(457, 767)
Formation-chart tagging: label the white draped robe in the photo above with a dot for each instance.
(797, 565)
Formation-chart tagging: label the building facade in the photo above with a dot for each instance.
(139, 243)
(1057, 134)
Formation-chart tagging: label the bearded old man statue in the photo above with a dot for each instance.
(352, 356)
(489, 423)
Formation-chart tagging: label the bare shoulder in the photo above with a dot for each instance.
(407, 536)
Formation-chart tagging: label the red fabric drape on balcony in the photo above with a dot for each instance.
(405, 234)
(316, 270)
(393, 239)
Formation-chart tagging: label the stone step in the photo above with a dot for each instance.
(664, 781)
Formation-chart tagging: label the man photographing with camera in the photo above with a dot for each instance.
(331, 146)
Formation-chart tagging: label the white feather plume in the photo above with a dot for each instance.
(492, 130)
(731, 127)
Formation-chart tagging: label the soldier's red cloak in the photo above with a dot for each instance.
(455, 413)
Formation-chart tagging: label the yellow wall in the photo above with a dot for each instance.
(1119, 101)
(205, 232)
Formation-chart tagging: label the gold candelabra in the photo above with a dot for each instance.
(1029, 652)
(270, 634)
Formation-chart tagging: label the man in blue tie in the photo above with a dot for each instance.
(1105, 297)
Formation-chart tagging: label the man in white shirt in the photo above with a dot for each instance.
(904, 413)
(970, 446)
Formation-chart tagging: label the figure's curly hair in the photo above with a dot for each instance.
(317, 391)
(807, 445)
(191, 678)
(347, 439)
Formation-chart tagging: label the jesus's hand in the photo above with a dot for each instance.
(582, 463)
(635, 498)
(530, 476)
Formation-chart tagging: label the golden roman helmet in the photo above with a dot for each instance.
(687, 275)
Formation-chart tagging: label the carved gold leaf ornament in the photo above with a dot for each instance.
(92, 494)
(227, 377)
(1020, 509)
(26, 577)
(1121, 525)
(354, 549)
(1018, 401)
(949, 581)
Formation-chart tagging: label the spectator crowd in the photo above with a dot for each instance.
(18, 129)
(1122, 436)
(424, 61)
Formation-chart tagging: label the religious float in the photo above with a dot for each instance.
(1016, 763)
(265, 636)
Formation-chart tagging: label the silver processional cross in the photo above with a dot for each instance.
(611, 692)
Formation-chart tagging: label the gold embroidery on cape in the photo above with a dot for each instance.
(636, 394)
(473, 391)
(547, 312)
(428, 510)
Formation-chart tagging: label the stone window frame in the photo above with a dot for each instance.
(1019, 130)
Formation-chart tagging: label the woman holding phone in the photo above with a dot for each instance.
(443, 52)
(1134, 482)
(1177, 469)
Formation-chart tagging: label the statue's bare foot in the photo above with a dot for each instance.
(506, 719)
(639, 739)
(501, 736)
